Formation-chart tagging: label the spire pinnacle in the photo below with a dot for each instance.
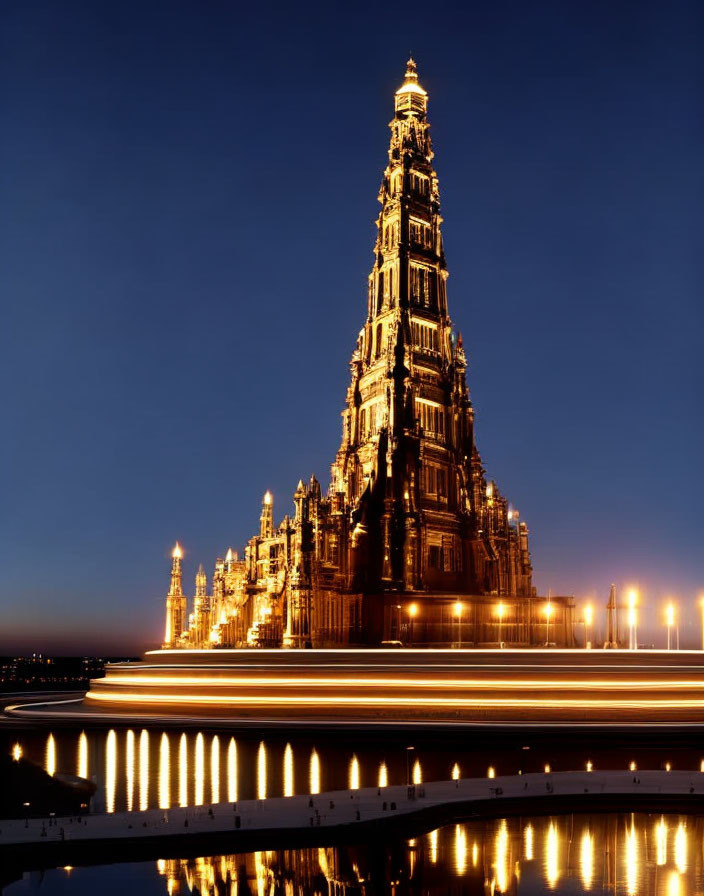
(177, 552)
(410, 82)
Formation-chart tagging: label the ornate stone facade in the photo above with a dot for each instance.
(412, 543)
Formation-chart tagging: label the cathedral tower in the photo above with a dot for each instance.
(424, 518)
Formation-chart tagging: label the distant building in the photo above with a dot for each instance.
(411, 543)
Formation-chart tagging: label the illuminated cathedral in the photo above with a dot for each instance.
(411, 543)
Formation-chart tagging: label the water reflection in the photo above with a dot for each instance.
(552, 856)
(595, 854)
(586, 859)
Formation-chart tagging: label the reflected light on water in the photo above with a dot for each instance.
(82, 769)
(183, 770)
(661, 842)
(199, 770)
(501, 857)
(383, 775)
(528, 835)
(475, 854)
(164, 772)
(552, 856)
(215, 769)
(433, 841)
(288, 770)
(586, 859)
(460, 850)
(129, 769)
(110, 770)
(144, 770)
(232, 771)
(681, 848)
(674, 884)
(353, 774)
(261, 771)
(417, 772)
(314, 775)
(50, 759)
(631, 860)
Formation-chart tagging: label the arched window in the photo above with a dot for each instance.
(379, 332)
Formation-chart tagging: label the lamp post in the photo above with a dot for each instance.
(632, 619)
(458, 614)
(548, 615)
(412, 613)
(670, 621)
(500, 610)
(588, 622)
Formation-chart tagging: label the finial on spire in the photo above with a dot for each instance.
(268, 498)
(411, 72)
(177, 552)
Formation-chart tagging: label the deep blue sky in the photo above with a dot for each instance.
(188, 193)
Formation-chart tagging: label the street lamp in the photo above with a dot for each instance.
(632, 619)
(588, 622)
(500, 610)
(669, 621)
(412, 613)
(458, 614)
(549, 610)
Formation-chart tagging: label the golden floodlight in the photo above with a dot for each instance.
(177, 553)
(501, 610)
(458, 608)
(17, 752)
(670, 614)
(413, 610)
(588, 614)
(268, 497)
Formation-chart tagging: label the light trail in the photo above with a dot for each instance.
(365, 700)
(527, 684)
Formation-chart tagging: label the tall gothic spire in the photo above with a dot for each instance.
(175, 601)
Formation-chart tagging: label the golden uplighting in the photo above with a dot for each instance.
(215, 769)
(17, 752)
(144, 770)
(413, 610)
(528, 837)
(50, 761)
(177, 553)
(314, 776)
(232, 771)
(82, 764)
(383, 775)
(455, 772)
(261, 771)
(183, 770)
(354, 774)
(491, 772)
(110, 770)
(129, 769)
(288, 771)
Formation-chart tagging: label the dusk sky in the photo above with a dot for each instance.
(188, 195)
